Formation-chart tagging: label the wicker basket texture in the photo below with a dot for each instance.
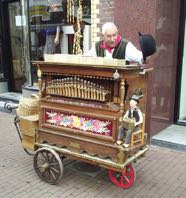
(28, 106)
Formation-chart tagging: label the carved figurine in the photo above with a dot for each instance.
(130, 122)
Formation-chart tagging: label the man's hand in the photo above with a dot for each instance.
(121, 119)
(147, 60)
(56, 40)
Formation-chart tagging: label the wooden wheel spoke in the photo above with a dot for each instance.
(127, 174)
(52, 174)
(48, 156)
(54, 163)
(121, 180)
(44, 157)
(126, 179)
(41, 161)
(52, 158)
(55, 170)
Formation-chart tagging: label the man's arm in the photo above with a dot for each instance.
(56, 40)
(133, 54)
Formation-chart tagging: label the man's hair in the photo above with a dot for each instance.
(107, 26)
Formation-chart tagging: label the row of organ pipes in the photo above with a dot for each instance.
(77, 88)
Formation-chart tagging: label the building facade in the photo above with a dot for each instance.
(25, 25)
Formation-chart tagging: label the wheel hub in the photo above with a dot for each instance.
(44, 167)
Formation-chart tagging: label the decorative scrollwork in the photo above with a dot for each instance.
(10, 106)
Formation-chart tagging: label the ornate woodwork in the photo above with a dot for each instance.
(80, 106)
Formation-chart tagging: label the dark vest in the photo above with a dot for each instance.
(118, 53)
(135, 114)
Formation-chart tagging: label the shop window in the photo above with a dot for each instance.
(59, 27)
(1, 66)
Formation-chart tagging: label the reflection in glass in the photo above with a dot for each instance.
(16, 38)
(1, 66)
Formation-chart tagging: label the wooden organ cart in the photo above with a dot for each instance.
(80, 104)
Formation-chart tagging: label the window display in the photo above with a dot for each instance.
(56, 26)
(1, 67)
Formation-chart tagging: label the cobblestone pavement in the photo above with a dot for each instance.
(161, 174)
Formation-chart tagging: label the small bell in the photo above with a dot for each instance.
(116, 75)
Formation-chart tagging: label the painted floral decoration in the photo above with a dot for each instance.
(83, 123)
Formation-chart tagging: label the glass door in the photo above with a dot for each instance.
(1, 66)
(182, 106)
(16, 41)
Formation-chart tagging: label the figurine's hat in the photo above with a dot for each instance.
(147, 44)
(135, 98)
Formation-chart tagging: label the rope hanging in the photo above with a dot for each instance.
(70, 11)
(78, 36)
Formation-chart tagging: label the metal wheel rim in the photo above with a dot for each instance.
(48, 165)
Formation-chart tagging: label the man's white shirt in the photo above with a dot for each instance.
(132, 54)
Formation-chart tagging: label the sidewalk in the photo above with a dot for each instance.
(162, 173)
(173, 137)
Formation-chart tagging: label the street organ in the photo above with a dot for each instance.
(80, 102)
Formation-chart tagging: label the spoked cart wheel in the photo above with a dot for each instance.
(48, 165)
(123, 179)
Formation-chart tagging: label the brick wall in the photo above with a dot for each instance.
(133, 16)
(101, 11)
(129, 16)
